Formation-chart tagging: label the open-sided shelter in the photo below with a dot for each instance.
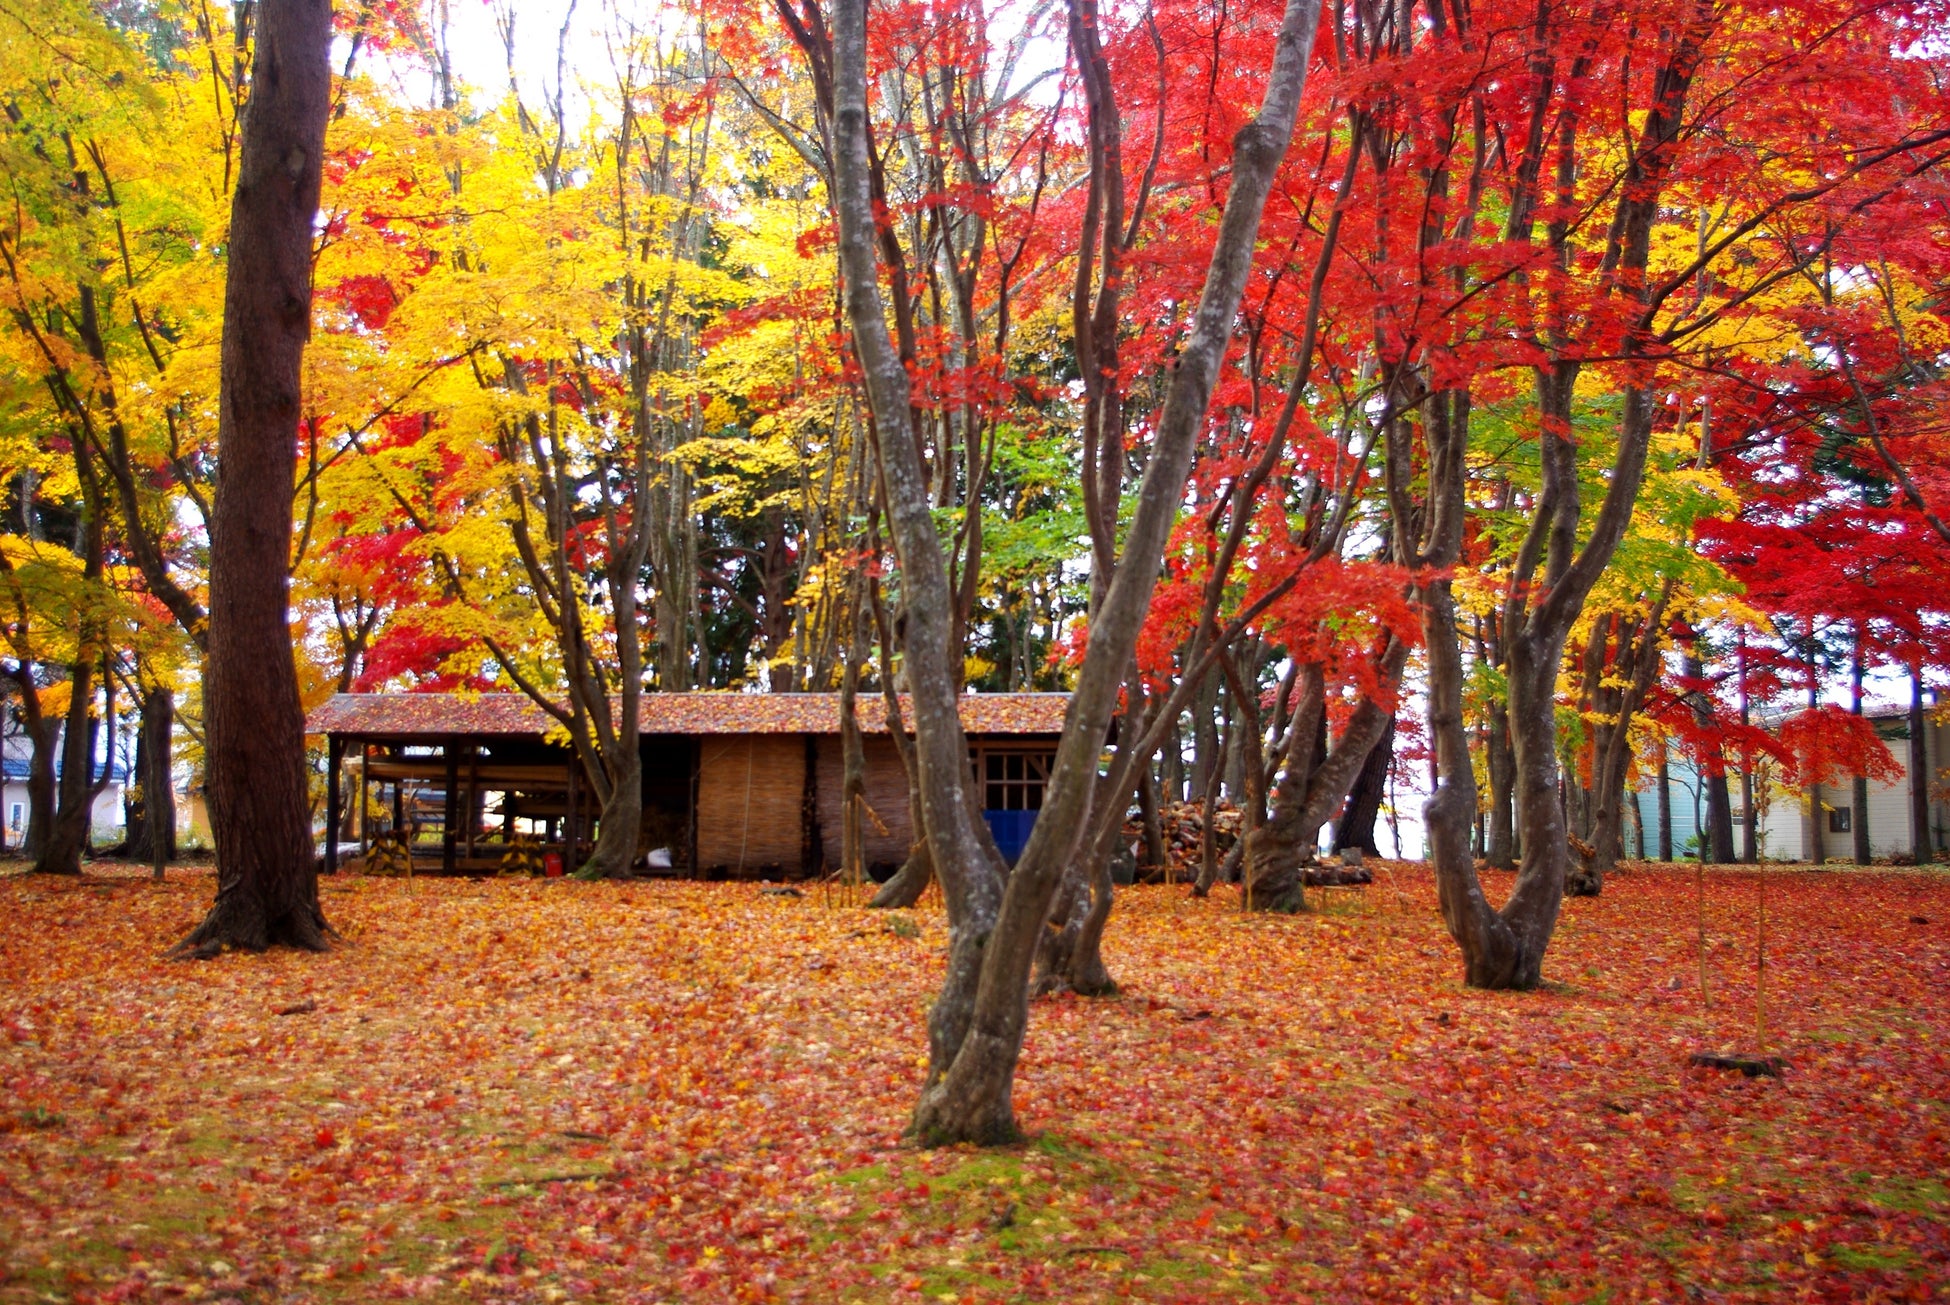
(738, 785)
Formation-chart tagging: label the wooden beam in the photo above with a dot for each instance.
(571, 827)
(334, 751)
(450, 812)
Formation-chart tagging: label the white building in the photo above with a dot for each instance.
(1783, 826)
(16, 759)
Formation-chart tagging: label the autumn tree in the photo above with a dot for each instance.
(1576, 291)
(975, 1029)
(267, 890)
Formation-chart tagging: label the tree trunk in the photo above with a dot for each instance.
(1719, 819)
(1621, 662)
(1501, 850)
(1171, 782)
(1155, 851)
(152, 819)
(917, 871)
(40, 787)
(1274, 867)
(61, 851)
(1552, 575)
(1858, 784)
(267, 886)
(1919, 771)
(620, 826)
(1069, 956)
(1205, 739)
(1716, 836)
(1664, 782)
(1749, 818)
(914, 876)
(1364, 800)
(977, 1026)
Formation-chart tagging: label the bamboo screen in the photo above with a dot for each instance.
(749, 793)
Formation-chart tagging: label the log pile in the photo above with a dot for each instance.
(1336, 876)
(1183, 826)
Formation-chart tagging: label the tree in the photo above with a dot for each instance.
(976, 1027)
(1593, 286)
(267, 887)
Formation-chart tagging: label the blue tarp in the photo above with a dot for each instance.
(1011, 831)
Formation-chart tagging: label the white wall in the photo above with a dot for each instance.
(107, 813)
(1783, 831)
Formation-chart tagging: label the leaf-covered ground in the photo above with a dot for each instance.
(537, 1091)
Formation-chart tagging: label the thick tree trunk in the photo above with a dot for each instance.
(1306, 797)
(40, 787)
(1534, 903)
(620, 826)
(911, 880)
(1069, 956)
(1719, 819)
(1364, 800)
(267, 887)
(152, 819)
(61, 851)
(1501, 849)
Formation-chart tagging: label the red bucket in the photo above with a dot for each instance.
(552, 865)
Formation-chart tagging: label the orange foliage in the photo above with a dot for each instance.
(528, 1091)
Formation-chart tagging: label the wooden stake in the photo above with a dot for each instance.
(1760, 971)
(1704, 997)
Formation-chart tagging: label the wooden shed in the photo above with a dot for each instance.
(737, 785)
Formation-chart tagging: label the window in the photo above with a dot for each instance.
(13, 818)
(1013, 781)
(1838, 818)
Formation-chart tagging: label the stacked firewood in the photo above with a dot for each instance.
(1183, 827)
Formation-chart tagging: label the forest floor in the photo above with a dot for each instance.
(546, 1090)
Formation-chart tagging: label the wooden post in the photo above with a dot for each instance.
(334, 753)
(571, 831)
(450, 812)
(365, 785)
(473, 794)
(690, 830)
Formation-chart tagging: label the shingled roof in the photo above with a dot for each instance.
(377, 715)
